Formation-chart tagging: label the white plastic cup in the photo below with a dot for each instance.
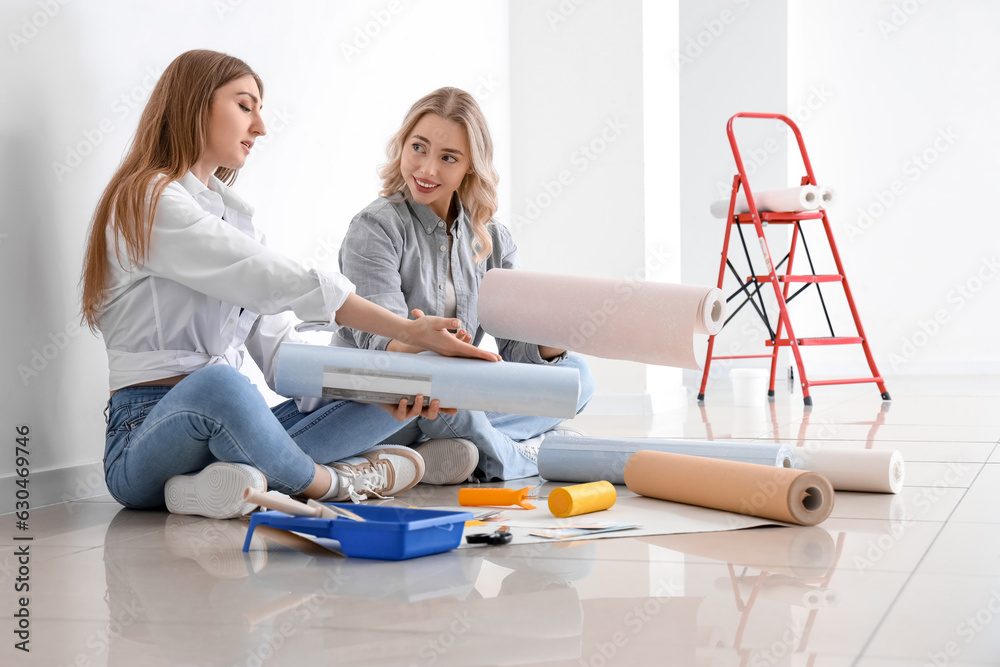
(749, 386)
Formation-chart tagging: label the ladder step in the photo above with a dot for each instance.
(747, 356)
(836, 340)
(832, 278)
(780, 217)
(845, 381)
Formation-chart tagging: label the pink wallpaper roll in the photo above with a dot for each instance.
(653, 323)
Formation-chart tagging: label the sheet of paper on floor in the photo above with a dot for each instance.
(656, 517)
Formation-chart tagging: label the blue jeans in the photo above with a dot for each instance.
(496, 433)
(217, 414)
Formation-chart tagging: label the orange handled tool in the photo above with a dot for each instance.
(500, 497)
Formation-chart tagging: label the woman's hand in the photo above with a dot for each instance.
(397, 346)
(423, 333)
(432, 333)
(405, 411)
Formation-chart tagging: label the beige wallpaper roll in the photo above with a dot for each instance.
(783, 494)
(649, 322)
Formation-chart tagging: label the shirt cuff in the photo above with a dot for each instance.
(335, 288)
(527, 353)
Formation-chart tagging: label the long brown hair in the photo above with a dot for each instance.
(169, 141)
(478, 190)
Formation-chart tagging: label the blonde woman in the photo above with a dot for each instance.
(179, 282)
(426, 243)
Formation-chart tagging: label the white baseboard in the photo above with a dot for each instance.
(57, 485)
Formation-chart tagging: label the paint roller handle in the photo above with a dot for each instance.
(280, 503)
(500, 497)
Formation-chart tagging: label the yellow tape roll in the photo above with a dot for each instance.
(581, 499)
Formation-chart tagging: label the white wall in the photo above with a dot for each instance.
(909, 99)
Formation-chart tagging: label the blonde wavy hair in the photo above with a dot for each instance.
(170, 139)
(478, 191)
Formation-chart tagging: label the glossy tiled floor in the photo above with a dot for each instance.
(887, 581)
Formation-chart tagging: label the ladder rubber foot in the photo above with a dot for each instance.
(885, 396)
(808, 400)
(770, 393)
(701, 397)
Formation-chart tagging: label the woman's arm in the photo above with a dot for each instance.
(207, 254)
(423, 333)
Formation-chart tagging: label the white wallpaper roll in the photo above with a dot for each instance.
(571, 458)
(827, 196)
(871, 470)
(649, 322)
(370, 376)
(801, 198)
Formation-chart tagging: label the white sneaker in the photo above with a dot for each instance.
(381, 472)
(566, 430)
(529, 447)
(448, 460)
(216, 492)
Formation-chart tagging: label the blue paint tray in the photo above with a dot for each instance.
(387, 533)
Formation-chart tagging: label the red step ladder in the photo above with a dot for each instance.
(752, 288)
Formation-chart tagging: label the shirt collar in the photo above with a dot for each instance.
(429, 219)
(219, 193)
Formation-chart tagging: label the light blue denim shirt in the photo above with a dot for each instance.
(396, 253)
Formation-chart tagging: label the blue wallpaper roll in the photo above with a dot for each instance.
(571, 458)
(370, 376)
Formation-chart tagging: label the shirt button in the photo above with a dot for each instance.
(444, 248)
(440, 286)
(440, 223)
(430, 229)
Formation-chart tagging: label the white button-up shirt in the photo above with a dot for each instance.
(209, 291)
